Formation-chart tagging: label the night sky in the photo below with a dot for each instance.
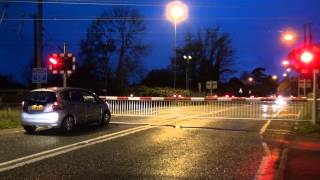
(254, 26)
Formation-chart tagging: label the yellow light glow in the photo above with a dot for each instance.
(285, 63)
(176, 11)
(274, 77)
(288, 37)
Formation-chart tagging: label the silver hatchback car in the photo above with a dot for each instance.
(62, 108)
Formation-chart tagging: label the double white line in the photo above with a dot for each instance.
(8, 165)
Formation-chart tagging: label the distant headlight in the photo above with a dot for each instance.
(280, 101)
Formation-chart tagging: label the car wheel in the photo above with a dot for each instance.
(105, 118)
(30, 129)
(67, 124)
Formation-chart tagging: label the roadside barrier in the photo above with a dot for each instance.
(213, 107)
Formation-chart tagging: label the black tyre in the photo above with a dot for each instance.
(67, 124)
(105, 120)
(30, 129)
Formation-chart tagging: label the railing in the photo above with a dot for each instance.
(213, 107)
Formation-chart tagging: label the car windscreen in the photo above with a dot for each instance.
(40, 97)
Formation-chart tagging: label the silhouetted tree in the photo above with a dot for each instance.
(211, 53)
(158, 78)
(114, 39)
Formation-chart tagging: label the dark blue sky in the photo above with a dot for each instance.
(254, 26)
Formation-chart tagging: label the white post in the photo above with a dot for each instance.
(65, 73)
(314, 102)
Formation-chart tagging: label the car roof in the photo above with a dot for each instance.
(58, 89)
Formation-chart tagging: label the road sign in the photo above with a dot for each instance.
(211, 85)
(304, 83)
(39, 75)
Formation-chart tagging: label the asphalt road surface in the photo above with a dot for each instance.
(172, 146)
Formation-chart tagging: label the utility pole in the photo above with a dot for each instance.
(308, 42)
(39, 38)
(65, 73)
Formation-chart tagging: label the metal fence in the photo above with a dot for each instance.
(229, 108)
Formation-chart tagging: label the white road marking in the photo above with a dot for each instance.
(266, 149)
(264, 127)
(8, 165)
(260, 169)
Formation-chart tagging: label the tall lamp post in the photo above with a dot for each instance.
(187, 59)
(176, 12)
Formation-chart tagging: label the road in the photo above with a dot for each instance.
(166, 147)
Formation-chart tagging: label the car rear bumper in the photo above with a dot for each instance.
(51, 119)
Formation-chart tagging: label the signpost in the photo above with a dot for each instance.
(211, 85)
(39, 75)
(304, 84)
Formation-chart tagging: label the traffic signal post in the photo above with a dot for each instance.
(62, 63)
(65, 73)
(306, 60)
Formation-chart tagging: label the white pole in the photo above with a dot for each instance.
(314, 102)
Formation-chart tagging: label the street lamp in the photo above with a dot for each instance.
(187, 59)
(285, 63)
(250, 79)
(288, 69)
(176, 12)
(274, 77)
(288, 37)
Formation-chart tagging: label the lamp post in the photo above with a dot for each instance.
(187, 59)
(176, 12)
(250, 79)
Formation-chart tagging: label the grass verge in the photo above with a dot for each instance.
(9, 118)
(308, 129)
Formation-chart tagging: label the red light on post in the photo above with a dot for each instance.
(53, 61)
(306, 57)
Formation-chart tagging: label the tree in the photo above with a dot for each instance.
(114, 38)
(158, 78)
(211, 53)
(262, 84)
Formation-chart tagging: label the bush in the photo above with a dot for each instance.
(9, 118)
(157, 91)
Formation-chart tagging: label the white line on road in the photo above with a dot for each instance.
(54, 152)
(264, 127)
(8, 165)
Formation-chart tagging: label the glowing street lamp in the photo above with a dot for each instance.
(285, 75)
(274, 77)
(188, 59)
(250, 79)
(176, 12)
(288, 69)
(285, 63)
(288, 37)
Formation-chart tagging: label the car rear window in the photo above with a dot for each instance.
(40, 97)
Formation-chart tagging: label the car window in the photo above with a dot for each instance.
(66, 95)
(88, 97)
(76, 96)
(40, 97)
